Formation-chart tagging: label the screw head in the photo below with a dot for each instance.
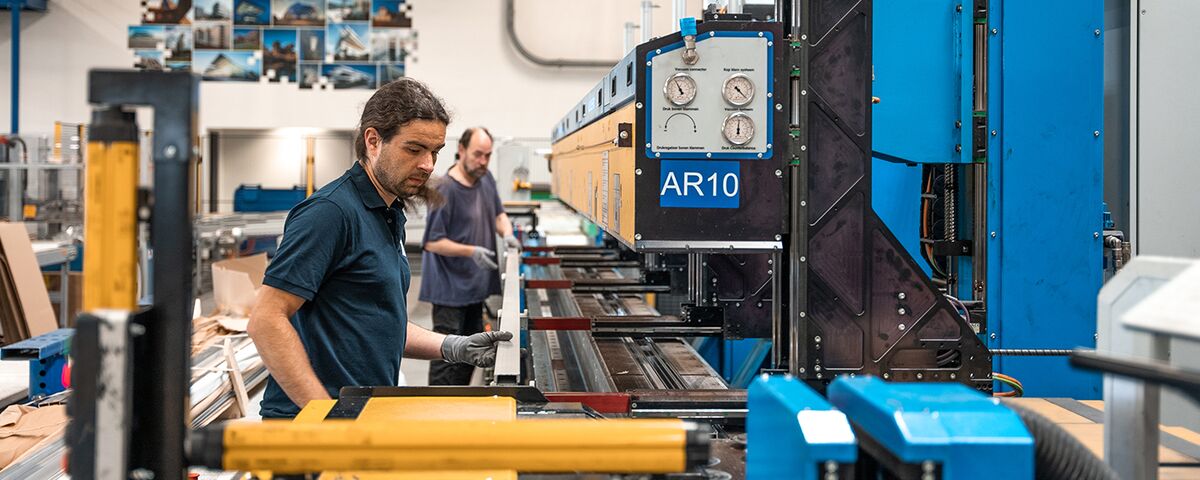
(994, 31)
(637, 236)
(993, 336)
(803, 148)
(778, 237)
(953, 376)
(803, 314)
(920, 376)
(1096, 134)
(886, 375)
(993, 234)
(1095, 234)
(769, 146)
(993, 133)
(637, 172)
(656, 154)
(170, 151)
(804, 92)
(803, 203)
(760, 34)
(901, 327)
(804, 37)
(623, 134)
(902, 311)
(779, 106)
(708, 155)
(817, 339)
(770, 44)
(803, 259)
(648, 63)
(901, 296)
(658, 50)
(639, 106)
(778, 172)
(1097, 32)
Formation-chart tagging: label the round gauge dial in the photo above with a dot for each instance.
(738, 89)
(680, 89)
(738, 128)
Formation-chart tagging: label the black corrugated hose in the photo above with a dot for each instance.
(1058, 455)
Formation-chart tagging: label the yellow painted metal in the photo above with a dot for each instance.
(533, 446)
(315, 411)
(418, 408)
(580, 156)
(310, 166)
(384, 409)
(110, 226)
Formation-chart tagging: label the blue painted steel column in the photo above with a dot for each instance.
(15, 7)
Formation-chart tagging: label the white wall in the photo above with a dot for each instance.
(463, 55)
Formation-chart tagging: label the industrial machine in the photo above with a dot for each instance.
(730, 167)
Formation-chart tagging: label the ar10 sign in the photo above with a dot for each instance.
(699, 184)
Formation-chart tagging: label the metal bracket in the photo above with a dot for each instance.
(624, 134)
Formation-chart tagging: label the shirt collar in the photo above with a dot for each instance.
(366, 189)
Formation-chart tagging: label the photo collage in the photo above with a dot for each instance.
(321, 44)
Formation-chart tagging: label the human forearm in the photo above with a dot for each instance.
(449, 248)
(285, 357)
(503, 225)
(423, 344)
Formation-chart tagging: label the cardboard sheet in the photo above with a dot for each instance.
(22, 428)
(27, 280)
(236, 282)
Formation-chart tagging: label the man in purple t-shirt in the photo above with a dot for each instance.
(459, 263)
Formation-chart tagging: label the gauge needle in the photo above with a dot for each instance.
(739, 127)
(679, 87)
(739, 91)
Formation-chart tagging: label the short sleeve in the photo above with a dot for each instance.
(314, 238)
(496, 196)
(437, 222)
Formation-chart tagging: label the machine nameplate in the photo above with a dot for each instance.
(699, 184)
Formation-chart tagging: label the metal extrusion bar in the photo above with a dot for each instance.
(508, 354)
(543, 446)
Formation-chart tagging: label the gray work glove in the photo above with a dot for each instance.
(483, 257)
(511, 241)
(478, 349)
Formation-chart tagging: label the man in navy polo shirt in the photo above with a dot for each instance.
(333, 310)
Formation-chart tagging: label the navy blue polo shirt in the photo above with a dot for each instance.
(343, 253)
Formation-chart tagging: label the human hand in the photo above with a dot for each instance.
(478, 349)
(484, 258)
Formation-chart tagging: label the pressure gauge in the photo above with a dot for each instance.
(738, 89)
(680, 89)
(738, 128)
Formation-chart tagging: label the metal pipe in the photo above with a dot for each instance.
(678, 11)
(627, 41)
(15, 7)
(777, 340)
(647, 20)
(735, 6)
(511, 32)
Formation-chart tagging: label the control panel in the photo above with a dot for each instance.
(717, 107)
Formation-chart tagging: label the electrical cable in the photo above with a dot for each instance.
(1018, 389)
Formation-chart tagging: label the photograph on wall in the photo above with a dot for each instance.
(227, 65)
(310, 75)
(178, 43)
(343, 75)
(390, 13)
(148, 59)
(179, 66)
(348, 11)
(391, 44)
(211, 35)
(279, 54)
(389, 72)
(146, 36)
(346, 42)
(212, 10)
(247, 38)
(298, 13)
(312, 45)
(251, 12)
(166, 11)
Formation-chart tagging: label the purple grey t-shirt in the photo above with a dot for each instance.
(468, 217)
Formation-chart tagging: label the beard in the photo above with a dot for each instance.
(475, 173)
(401, 187)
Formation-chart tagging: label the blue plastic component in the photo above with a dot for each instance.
(687, 26)
(47, 355)
(895, 195)
(949, 424)
(254, 198)
(791, 431)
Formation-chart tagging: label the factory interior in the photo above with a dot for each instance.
(599, 239)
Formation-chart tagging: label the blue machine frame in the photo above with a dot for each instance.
(1044, 161)
(47, 356)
